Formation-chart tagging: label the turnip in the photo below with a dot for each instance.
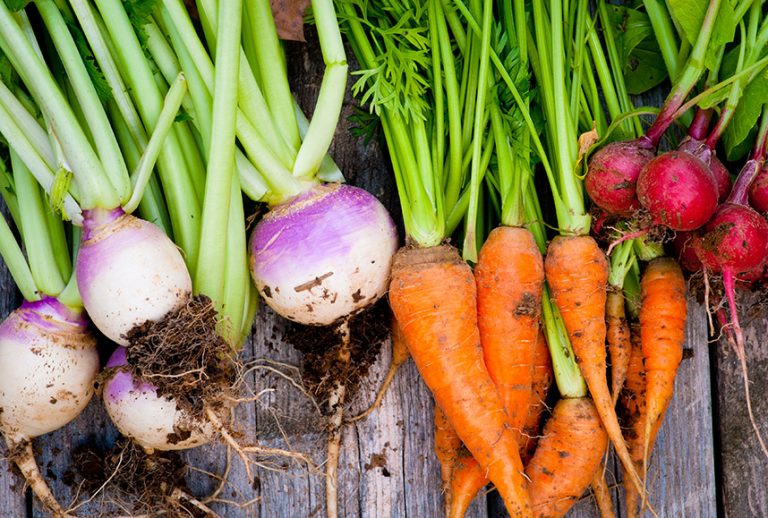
(153, 421)
(48, 356)
(131, 275)
(323, 255)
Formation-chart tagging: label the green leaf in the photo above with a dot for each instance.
(17, 5)
(140, 13)
(643, 64)
(744, 122)
(182, 116)
(689, 15)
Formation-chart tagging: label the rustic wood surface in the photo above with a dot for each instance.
(387, 467)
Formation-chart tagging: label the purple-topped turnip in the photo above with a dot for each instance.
(128, 272)
(153, 421)
(48, 356)
(324, 255)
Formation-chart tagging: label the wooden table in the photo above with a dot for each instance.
(706, 462)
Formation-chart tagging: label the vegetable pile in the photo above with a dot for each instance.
(544, 228)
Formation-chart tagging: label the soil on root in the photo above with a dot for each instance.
(126, 474)
(185, 357)
(326, 363)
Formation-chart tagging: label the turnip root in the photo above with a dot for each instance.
(324, 255)
(48, 363)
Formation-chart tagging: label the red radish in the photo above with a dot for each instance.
(686, 252)
(722, 178)
(678, 190)
(758, 192)
(735, 239)
(612, 176)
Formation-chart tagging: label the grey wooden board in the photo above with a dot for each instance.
(744, 466)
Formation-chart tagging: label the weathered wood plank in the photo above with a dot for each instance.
(12, 497)
(743, 464)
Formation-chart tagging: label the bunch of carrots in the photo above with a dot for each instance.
(489, 331)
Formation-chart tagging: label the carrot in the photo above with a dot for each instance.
(662, 333)
(619, 347)
(510, 278)
(602, 494)
(568, 455)
(633, 412)
(461, 474)
(399, 357)
(542, 380)
(433, 296)
(577, 273)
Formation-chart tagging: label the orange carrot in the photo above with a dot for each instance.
(400, 355)
(602, 494)
(577, 273)
(447, 446)
(510, 279)
(633, 412)
(462, 475)
(663, 312)
(618, 339)
(433, 296)
(542, 380)
(568, 455)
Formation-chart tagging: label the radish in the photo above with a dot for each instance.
(612, 176)
(678, 190)
(758, 192)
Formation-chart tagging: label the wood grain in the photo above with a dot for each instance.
(744, 465)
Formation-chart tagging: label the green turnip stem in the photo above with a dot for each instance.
(152, 206)
(28, 124)
(271, 65)
(259, 141)
(211, 274)
(37, 166)
(34, 231)
(96, 189)
(141, 175)
(87, 98)
(328, 171)
(101, 51)
(179, 182)
(16, 263)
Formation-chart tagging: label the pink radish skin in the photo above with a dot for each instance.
(736, 238)
(722, 178)
(758, 192)
(612, 176)
(686, 252)
(678, 190)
